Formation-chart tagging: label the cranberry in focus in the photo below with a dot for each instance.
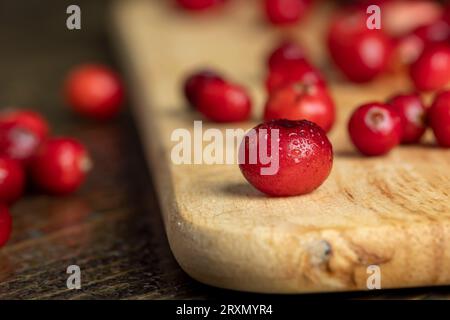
(5, 225)
(60, 166)
(195, 82)
(302, 102)
(304, 153)
(439, 118)
(431, 71)
(12, 180)
(224, 102)
(375, 128)
(94, 91)
(412, 113)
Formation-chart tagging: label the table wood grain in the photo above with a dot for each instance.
(111, 228)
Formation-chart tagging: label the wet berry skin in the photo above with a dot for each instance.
(60, 166)
(301, 101)
(295, 71)
(195, 82)
(224, 102)
(375, 128)
(431, 71)
(412, 113)
(304, 153)
(18, 142)
(12, 180)
(286, 53)
(94, 91)
(361, 54)
(285, 12)
(5, 225)
(439, 118)
(28, 119)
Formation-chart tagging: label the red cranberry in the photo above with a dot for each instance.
(302, 102)
(360, 53)
(431, 71)
(283, 12)
(286, 53)
(28, 119)
(60, 166)
(196, 5)
(286, 74)
(5, 225)
(18, 142)
(12, 180)
(303, 151)
(194, 83)
(224, 102)
(412, 113)
(375, 129)
(439, 118)
(94, 91)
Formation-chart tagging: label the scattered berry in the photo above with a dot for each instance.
(18, 142)
(60, 165)
(12, 180)
(224, 102)
(375, 129)
(439, 118)
(301, 101)
(28, 119)
(360, 53)
(286, 74)
(412, 113)
(5, 225)
(284, 12)
(196, 5)
(287, 52)
(94, 91)
(304, 153)
(194, 84)
(431, 71)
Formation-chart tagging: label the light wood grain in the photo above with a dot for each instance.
(392, 211)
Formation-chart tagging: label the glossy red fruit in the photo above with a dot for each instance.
(360, 53)
(298, 71)
(12, 180)
(194, 83)
(431, 71)
(412, 114)
(287, 52)
(284, 12)
(301, 101)
(375, 128)
(60, 166)
(224, 102)
(5, 225)
(18, 142)
(439, 118)
(28, 119)
(94, 91)
(196, 5)
(301, 157)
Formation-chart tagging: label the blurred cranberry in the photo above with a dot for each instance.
(360, 53)
(28, 119)
(294, 71)
(94, 91)
(196, 81)
(18, 142)
(12, 180)
(285, 53)
(196, 5)
(284, 12)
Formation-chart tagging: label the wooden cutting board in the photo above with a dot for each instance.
(391, 211)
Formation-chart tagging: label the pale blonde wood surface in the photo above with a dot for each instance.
(392, 211)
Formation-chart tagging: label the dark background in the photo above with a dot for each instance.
(111, 228)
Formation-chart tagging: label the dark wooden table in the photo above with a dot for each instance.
(111, 228)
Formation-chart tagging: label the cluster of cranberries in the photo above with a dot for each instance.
(54, 165)
(376, 128)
